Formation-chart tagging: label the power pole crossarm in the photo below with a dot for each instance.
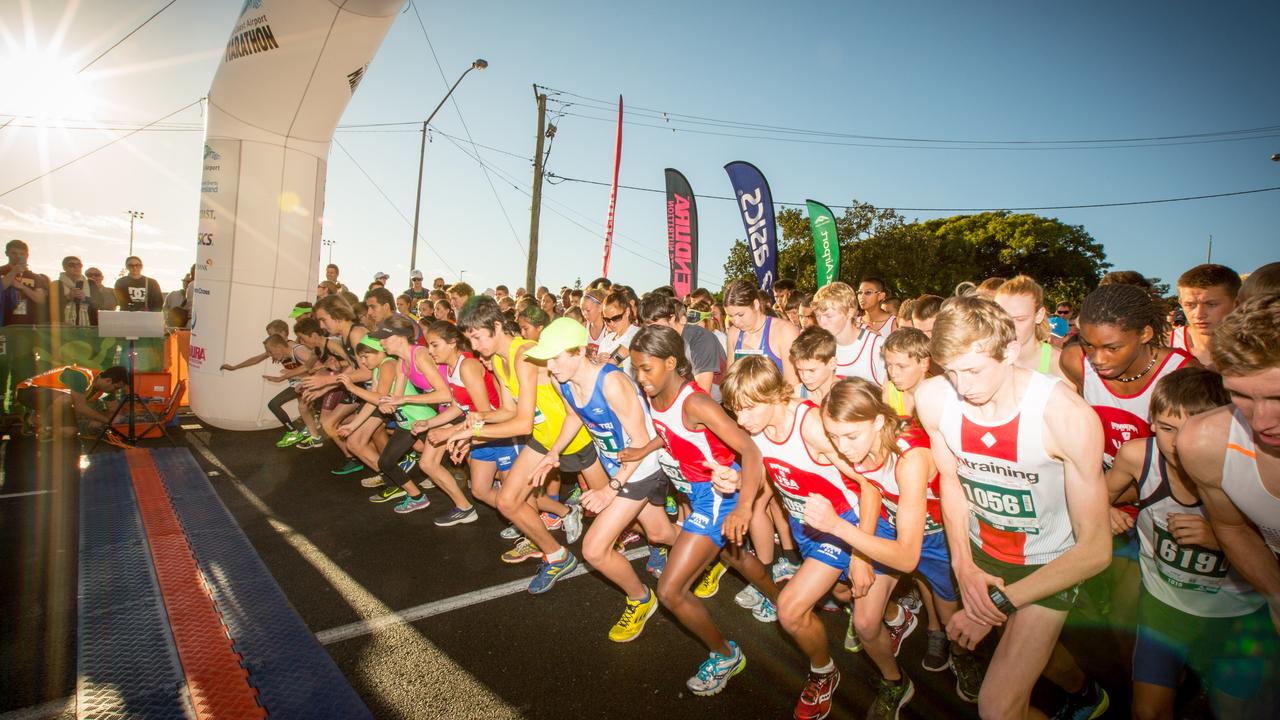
(531, 272)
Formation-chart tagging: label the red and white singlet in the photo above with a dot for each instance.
(689, 448)
(861, 358)
(797, 474)
(885, 477)
(1125, 417)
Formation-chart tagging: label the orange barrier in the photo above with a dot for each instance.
(177, 346)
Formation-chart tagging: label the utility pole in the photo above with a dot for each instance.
(1208, 256)
(531, 272)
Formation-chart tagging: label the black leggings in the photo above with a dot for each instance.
(400, 442)
(276, 406)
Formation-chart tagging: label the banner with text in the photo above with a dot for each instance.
(755, 204)
(826, 244)
(682, 233)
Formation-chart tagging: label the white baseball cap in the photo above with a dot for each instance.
(415, 275)
(380, 275)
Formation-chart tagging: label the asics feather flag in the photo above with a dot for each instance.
(755, 205)
(682, 233)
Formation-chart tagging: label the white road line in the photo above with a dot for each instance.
(439, 607)
(51, 709)
(23, 494)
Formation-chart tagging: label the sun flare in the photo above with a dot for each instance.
(43, 86)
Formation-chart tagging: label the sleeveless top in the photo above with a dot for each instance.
(409, 413)
(885, 477)
(896, 400)
(887, 328)
(411, 371)
(460, 395)
(1016, 493)
(1179, 339)
(293, 362)
(1046, 359)
(797, 474)
(861, 358)
(1124, 417)
(606, 427)
(1194, 579)
(1242, 482)
(687, 447)
(739, 352)
(548, 410)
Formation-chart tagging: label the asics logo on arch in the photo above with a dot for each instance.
(1002, 469)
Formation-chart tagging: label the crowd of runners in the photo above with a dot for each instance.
(971, 465)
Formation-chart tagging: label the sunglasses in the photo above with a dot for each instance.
(611, 319)
(1063, 313)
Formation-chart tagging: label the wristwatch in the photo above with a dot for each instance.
(476, 426)
(615, 485)
(1000, 600)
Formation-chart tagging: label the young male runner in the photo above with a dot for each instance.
(1017, 454)
(857, 348)
(872, 292)
(1023, 298)
(1206, 293)
(813, 355)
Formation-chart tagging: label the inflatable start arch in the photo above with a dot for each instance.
(289, 70)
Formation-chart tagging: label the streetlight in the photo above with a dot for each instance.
(479, 64)
(133, 215)
(329, 244)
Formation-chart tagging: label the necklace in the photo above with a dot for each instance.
(1150, 365)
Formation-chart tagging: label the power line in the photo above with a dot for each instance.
(1186, 198)
(391, 203)
(458, 109)
(667, 115)
(126, 37)
(113, 141)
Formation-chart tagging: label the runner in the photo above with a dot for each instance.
(555, 440)
(857, 348)
(923, 313)
(703, 440)
(608, 403)
(1195, 610)
(1206, 293)
(802, 464)
(705, 354)
(621, 327)
(1017, 456)
(894, 456)
(1233, 454)
(297, 360)
(592, 307)
(752, 331)
(365, 432)
(813, 355)
(337, 320)
(1023, 299)
(907, 362)
(872, 292)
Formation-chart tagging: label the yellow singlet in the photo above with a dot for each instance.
(548, 410)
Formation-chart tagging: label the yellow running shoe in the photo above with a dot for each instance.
(710, 583)
(633, 619)
(524, 550)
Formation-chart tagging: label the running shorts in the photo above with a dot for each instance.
(570, 462)
(1010, 573)
(501, 452)
(934, 565)
(825, 547)
(652, 488)
(708, 509)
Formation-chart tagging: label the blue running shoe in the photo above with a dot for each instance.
(657, 560)
(715, 671)
(408, 461)
(409, 504)
(671, 507)
(549, 573)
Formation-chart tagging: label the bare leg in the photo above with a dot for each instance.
(690, 556)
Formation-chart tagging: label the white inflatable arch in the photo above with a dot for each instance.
(289, 70)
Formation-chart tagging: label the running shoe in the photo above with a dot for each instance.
(457, 516)
(572, 524)
(765, 612)
(636, 614)
(408, 462)
(409, 504)
(574, 496)
(309, 443)
(350, 466)
(388, 494)
(291, 438)
(890, 697)
(911, 601)
(969, 672)
(898, 633)
(657, 560)
(749, 597)
(1091, 702)
(715, 671)
(852, 642)
(372, 481)
(510, 532)
(551, 522)
(710, 583)
(524, 550)
(630, 537)
(425, 483)
(549, 573)
(935, 658)
(671, 507)
(783, 569)
(815, 698)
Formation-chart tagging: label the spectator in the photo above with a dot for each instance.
(26, 294)
(381, 278)
(331, 275)
(459, 293)
(416, 291)
(104, 298)
(75, 295)
(438, 284)
(177, 306)
(135, 291)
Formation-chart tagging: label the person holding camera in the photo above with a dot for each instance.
(137, 292)
(75, 295)
(26, 294)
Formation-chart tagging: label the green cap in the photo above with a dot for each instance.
(297, 311)
(373, 343)
(562, 334)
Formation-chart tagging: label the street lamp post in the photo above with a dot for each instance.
(133, 215)
(327, 242)
(479, 64)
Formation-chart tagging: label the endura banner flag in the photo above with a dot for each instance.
(755, 204)
(826, 246)
(682, 233)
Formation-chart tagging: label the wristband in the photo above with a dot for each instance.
(1000, 600)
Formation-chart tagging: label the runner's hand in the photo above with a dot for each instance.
(226, 366)
(458, 449)
(419, 427)
(344, 430)
(724, 479)
(346, 381)
(974, 586)
(391, 400)
(965, 631)
(386, 409)
(273, 378)
(630, 454)
(597, 500)
(819, 514)
(1121, 521)
(544, 467)
(437, 435)
(735, 525)
(861, 577)
(1190, 529)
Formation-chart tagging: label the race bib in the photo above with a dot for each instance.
(1189, 567)
(793, 504)
(1004, 508)
(672, 469)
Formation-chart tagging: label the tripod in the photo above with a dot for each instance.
(131, 400)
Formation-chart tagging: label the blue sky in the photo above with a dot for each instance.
(988, 71)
